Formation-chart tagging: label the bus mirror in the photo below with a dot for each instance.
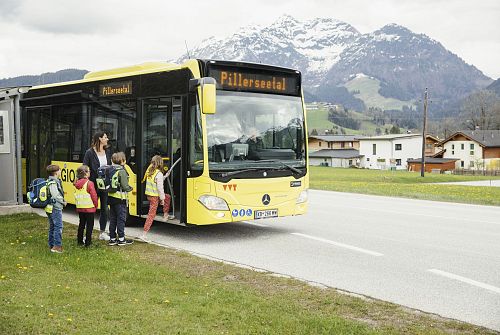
(207, 89)
(208, 98)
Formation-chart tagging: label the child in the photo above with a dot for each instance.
(155, 193)
(54, 208)
(86, 204)
(118, 202)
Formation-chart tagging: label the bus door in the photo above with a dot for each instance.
(162, 129)
(39, 150)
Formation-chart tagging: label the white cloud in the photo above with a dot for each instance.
(49, 35)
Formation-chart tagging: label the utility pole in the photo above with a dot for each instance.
(422, 163)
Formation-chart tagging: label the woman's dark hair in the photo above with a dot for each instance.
(95, 140)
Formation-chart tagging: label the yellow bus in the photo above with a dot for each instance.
(233, 134)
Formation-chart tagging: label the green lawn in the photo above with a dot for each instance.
(146, 289)
(403, 184)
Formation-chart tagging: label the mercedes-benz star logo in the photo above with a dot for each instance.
(266, 199)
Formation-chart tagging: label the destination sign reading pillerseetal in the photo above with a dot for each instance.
(111, 89)
(256, 82)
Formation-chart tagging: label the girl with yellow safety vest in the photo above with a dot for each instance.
(155, 193)
(86, 203)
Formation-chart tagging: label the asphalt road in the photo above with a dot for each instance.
(438, 257)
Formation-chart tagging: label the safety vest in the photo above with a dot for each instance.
(151, 188)
(82, 197)
(115, 184)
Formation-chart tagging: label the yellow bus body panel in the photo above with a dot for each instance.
(68, 177)
(244, 196)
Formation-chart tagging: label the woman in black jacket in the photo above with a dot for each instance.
(96, 156)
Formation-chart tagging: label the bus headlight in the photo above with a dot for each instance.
(302, 197)
(213, 203)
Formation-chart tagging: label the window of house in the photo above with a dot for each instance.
(462, 146)
(472, 152)
(453, 146)
(453, 152)
(367, 159)
(398, 162)
(342, 145)
(350, 144)
(374, 147)
(399, 146)
(471, 164)
(462, 164)
(350, 162)
(472, 146)
(319, 144)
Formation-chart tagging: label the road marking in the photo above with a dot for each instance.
(342, 245)
(422, 214)
(257, 224)
(465, 280)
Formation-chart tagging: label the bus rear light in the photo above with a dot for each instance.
(213, 203)
(302, 197)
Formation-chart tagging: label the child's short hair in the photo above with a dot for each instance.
(82, 171)
(118, 157)
(52, 169)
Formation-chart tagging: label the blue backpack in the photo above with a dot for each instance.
(107, 178)
(38, 193)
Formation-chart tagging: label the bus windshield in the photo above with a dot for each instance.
(249, 129)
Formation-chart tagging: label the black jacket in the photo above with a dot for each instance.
(92, 161)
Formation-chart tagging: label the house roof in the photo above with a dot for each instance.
(432, 160)
(336, 153)
(336, 138)
(487, 138)
(390, 136)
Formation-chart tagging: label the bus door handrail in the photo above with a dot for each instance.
(167, 175)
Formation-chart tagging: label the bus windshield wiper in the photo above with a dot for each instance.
(233, 173)
(289, 167)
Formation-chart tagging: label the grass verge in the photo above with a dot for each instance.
(145, 289)
(404, 184)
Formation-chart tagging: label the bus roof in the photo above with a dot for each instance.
(152, 67)
(144, 68)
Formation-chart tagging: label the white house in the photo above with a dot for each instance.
(473, 149)
(335, 157)
(389, 151)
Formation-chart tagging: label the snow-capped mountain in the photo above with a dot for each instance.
(330, 53)
(312, 46)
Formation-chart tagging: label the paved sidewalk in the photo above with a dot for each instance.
(489, 183)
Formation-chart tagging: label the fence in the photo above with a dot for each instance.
(463, 172)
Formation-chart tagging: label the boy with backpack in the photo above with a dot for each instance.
(118, 201)
(86, 204)
(54, 208)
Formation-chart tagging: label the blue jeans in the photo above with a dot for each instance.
(55, 228)
(117, 218)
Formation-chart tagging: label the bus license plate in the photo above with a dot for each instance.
(267, 213)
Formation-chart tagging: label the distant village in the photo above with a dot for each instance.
(465, 151)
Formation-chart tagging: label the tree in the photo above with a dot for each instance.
(395, 130)
(314, 132)
(386, 131)
(378, 131)
(481, 110)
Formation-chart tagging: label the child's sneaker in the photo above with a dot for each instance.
(112, 241)
(125, 242)
(104, 236)
(57, 249)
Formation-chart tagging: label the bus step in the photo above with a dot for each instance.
(175, 221)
